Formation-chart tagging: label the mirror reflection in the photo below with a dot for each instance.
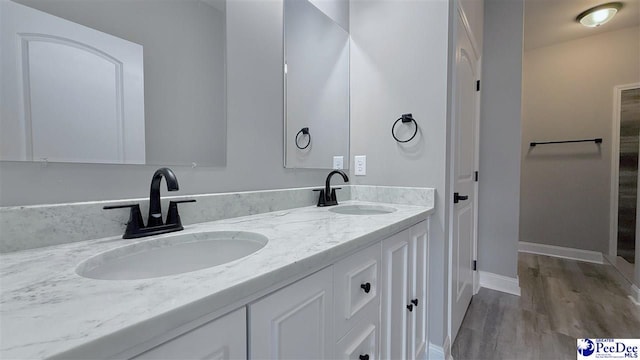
(102, 81)
(316, 86)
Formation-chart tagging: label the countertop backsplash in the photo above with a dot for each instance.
(28, 227)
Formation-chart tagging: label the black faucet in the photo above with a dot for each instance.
(155, 226)
(327, 195)
(155, 211)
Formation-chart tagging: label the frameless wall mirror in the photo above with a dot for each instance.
(316, 73)
(116, 82)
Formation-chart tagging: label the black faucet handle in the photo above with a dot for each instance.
(182, 201)
(109, 207)
(173, 217)
(135, 222)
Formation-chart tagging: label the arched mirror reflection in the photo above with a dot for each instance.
(121, 82)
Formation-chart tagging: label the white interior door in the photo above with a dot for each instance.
(69, 93)
(464, 157)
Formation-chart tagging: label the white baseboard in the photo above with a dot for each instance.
(635, 294)
(476, 285)
(436, 352)
(447, 348)
(501, 283)
(624, 280)
(561, 252)
(440, 353)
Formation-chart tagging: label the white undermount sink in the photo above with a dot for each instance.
(362, 209)
(171, 255)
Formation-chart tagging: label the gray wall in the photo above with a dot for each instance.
(254, 134)
(500, 123)
(184, 69)
(388, 38)
(568, 94)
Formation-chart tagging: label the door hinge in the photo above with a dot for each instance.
(475, 176)
(475, 265)
(477, 85)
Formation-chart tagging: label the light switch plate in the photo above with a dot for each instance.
(338, 162)
(360, 165)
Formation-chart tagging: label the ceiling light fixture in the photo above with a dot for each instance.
(599, 15)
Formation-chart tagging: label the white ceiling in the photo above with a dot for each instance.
(548, 22)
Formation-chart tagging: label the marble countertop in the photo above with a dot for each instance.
(46, 309)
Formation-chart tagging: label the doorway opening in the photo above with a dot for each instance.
(624, 179)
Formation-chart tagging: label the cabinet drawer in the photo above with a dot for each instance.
(223, 338)
(360, 343)
(356, 289)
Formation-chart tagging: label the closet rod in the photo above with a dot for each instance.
(596, 140)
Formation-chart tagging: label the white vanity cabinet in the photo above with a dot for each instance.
(294, 322)
(404, 294)
(370, 305)
(223, 338)
(331, 314)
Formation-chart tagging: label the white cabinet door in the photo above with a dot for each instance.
(404, 278)
(223, 338)
(294, 322)
(418, 285)
(395, 296)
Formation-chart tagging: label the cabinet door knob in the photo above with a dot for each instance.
(410, 307)
(415, 302)
(457, 198)
(364, 357)
(366, 287)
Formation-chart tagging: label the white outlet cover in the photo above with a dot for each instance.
(338, 162)
(360, 167)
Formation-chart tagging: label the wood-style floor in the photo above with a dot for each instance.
(562, 300)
